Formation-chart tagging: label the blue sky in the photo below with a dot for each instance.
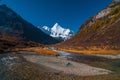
(68, 13)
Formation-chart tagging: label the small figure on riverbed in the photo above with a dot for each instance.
(68, 64)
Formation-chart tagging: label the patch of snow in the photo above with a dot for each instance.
(45, 29)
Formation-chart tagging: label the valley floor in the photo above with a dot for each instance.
(28, 65)
(66, 66)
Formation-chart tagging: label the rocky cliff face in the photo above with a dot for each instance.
(101, 29)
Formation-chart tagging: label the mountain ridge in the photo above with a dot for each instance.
(13, 24)
(100, 30)
(58, 32)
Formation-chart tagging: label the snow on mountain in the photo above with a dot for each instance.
(46, 29)
(58, 32)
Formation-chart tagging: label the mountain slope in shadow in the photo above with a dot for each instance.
(14, 25)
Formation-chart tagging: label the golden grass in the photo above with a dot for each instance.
(40, 50)
(91, 51)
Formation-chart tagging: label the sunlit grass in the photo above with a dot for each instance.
(91, 50)
(40, 50)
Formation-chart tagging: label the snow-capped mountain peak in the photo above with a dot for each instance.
(56, 26)
(58, 32)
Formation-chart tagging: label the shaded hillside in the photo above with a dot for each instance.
(100, 30)
(12, 24)
(8, 43)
